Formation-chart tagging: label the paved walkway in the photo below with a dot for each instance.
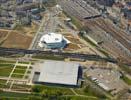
(12, 72)
(73, 91)
(28, 66)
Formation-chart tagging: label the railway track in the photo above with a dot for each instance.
(121, 40)
(70, 9)
(63, 54)
(114, 44)
(75, 8)
(88, 8)
(113, 32)
(117, 34)
(70, 55)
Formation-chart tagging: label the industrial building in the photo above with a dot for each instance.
(57, 73)
(53, 41)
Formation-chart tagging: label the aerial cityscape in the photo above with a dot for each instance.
(65, 49)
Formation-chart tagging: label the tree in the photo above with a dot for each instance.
(37, 88)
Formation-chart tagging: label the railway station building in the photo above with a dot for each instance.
(57, 73)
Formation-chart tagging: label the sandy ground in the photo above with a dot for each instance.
(16, 40)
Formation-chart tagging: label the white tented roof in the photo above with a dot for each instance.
(52, 38)
(59, 72)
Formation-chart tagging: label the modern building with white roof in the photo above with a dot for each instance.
(53, 41)
(57, 72)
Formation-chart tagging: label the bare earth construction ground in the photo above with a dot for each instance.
(19, 38)
(16, 40)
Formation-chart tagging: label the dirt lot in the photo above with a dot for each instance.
(16, 40)
(75, 43)
(3, 34)
(27, 30)
(72, 47)
(21, 37)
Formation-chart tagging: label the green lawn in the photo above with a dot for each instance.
(125, 68)
(83, 92)
(13, 96)
(126, 79)
(28, 72)
(23, 62)
(50, 57)
(12, 62)
(20, 96)
(5, 69)
(76, 98)
(20, 71)
(17, 76)
(89, 91)
(3, 86)
(4, 61)
(22, 85)
(22, 67)
(51, 90)
(2, 83)
(4, 64)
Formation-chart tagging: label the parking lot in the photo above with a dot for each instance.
(108, 79)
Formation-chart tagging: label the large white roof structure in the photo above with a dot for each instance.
(52, 38)
(59, 72)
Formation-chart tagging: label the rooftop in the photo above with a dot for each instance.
(58, 72)
(52, 38)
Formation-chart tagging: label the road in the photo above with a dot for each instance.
(48, 24)
(38, 33)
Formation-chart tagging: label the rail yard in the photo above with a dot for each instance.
(118, 41)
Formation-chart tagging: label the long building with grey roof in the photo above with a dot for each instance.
(57, 72)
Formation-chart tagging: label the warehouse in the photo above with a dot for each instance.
(57, 73)
(53, 41)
